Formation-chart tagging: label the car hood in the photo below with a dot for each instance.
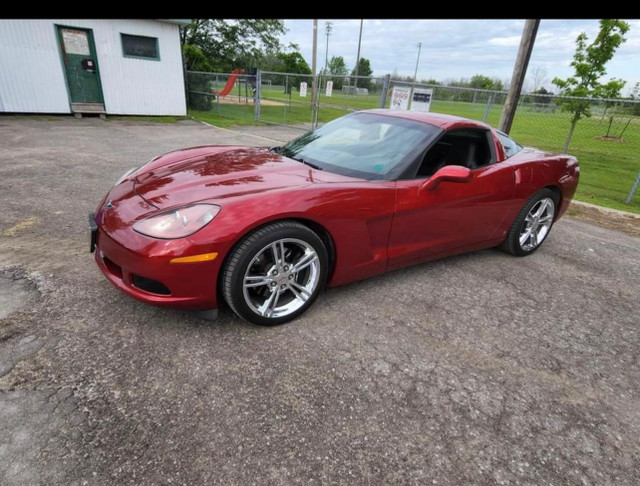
(206, 173)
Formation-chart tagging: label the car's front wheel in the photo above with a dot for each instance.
(275, 273)
(532, 225)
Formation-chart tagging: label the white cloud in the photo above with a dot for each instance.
(459, 48)
(512, 40)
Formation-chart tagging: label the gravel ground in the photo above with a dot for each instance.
(477, 369)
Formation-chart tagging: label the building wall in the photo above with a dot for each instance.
(32, 76)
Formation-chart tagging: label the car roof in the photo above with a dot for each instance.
(439, 120)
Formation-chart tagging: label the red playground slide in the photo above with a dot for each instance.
(230, 82)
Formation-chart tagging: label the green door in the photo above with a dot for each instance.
(80, 64)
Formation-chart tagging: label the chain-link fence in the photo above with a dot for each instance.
(222, 95)
(606, 142)
(286, 99)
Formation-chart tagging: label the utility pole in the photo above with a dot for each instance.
(328, 26)
(358, 58)
(314, 59)
(415, 75)
(327, 29)
(519, 71)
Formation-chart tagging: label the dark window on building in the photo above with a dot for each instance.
(140, 46)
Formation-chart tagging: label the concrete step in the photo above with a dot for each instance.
(97, 108)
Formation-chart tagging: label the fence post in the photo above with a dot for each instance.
(487, 108)
(385, 89)
(257, 95)
(633, 189)
(217, 98)
(314, 105)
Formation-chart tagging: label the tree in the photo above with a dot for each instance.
(364, 69)
(589, 64)
(292, 62)
(338, 70)
(480, 81)
(230, 44)
(539, 77)
(197, 84)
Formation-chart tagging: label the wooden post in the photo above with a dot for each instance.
(519, 71)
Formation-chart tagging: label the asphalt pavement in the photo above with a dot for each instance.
(477, 369)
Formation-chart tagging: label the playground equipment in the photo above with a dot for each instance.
(233, 78)
(230, 82)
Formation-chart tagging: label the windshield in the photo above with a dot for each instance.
(362, 145)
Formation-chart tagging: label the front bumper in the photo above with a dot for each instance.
(141, 268)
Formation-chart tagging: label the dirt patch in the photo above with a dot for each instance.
(615, 220)
(234, 100)
(611, 139)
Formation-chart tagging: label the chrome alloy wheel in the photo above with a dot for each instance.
(281, 278)
(537, 224)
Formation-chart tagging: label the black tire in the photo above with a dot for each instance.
(511, 244)
(248, 248)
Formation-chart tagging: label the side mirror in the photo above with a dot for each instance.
(449, 173)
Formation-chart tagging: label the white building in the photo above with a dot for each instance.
(127, 67)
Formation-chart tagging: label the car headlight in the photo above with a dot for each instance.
(178, 223)
(127, 174)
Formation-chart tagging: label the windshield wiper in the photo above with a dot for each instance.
(310, 164)
(276, 149)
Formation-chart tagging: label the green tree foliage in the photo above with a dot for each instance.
(338, 70)
(337, 66)
(195, 60)
(589, 63)
(231, 44)
(480, 81)
(364, 69)
(291, 62)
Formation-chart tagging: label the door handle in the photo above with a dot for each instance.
(88, 65)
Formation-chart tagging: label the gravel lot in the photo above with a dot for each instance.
(478, 369)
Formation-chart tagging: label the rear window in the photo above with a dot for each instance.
(510, 146)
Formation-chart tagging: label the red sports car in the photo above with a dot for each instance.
(266, 228)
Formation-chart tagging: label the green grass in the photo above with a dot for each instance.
(608, 168)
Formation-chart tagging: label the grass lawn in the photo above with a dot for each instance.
(608, 168)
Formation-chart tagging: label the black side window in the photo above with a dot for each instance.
(465, 147)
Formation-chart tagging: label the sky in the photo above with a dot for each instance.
(454, 49)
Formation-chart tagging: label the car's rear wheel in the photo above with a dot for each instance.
(532, 225)
(275, 273)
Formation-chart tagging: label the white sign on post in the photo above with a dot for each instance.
(421, 99)
(400, 98)
(303, 89)
(329, 89)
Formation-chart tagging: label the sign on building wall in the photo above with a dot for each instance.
(421, 99)
(329, 88)
(75, 42)
(303, 89)
(400, 98)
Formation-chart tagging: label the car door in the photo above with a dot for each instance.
(454, 215)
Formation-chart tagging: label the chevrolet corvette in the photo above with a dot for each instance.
(265, 229)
